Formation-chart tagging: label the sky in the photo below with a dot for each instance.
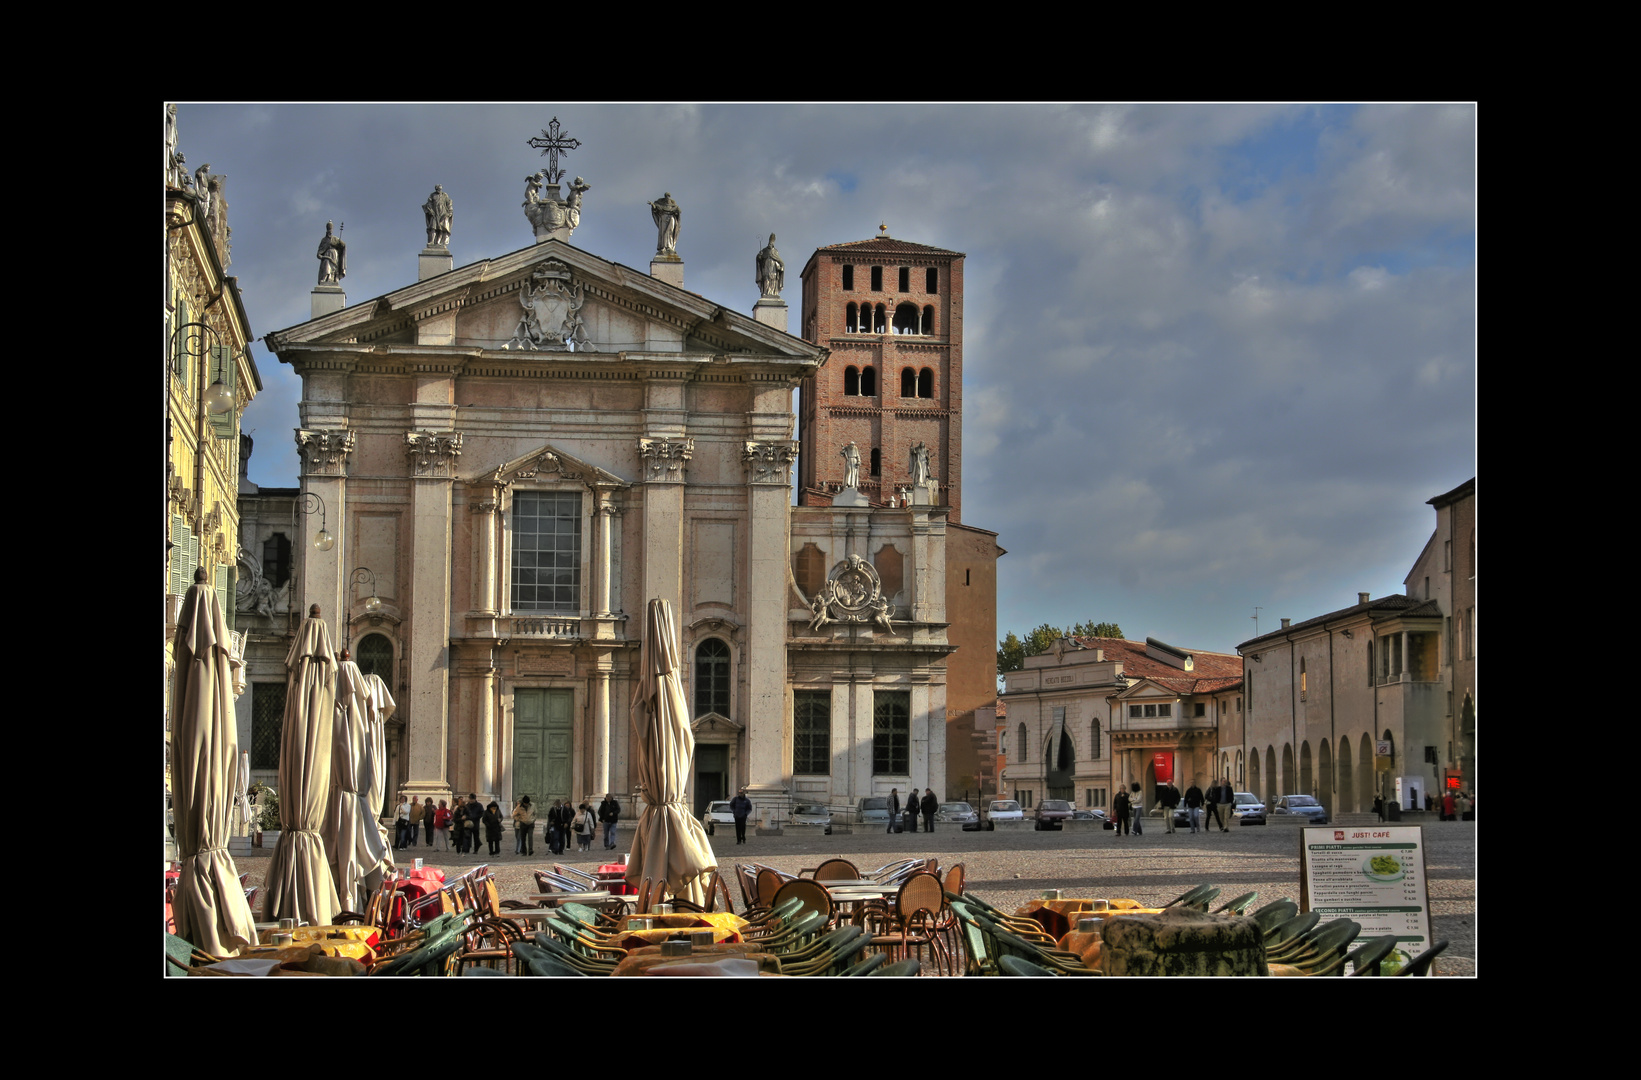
(1216, 357)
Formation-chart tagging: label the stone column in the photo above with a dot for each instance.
(432, 466)
(663, 461)
(600, 780)
(604, 523)
(769, 479)
(484, 543)
(324, 455)
(484, 758)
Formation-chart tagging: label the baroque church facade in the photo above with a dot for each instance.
(524, 450)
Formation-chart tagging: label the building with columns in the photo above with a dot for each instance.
(523, 451)
(1093, 715)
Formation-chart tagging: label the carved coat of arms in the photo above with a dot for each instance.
(552, 304)
(853, 594)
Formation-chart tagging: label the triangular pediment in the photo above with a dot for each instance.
(549, 302)
(713, 724)
(548, 460)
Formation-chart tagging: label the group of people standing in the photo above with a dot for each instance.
(469, 824)
(928, 805)
(1218, 802)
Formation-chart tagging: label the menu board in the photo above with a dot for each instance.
(1373, 875)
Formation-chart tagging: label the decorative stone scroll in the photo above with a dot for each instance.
(433, 453)
(769, 462)
(853, 594)
(552, 303)
(325, 453)
(664, 459)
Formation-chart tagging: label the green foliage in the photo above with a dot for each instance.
(267, 807)
(1012, 650)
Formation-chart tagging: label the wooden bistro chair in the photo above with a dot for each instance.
(915, 917)
(812, 894)
(837, 870)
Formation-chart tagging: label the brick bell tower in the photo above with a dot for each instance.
(891, 312)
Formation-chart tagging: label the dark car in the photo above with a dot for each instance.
(1050, 812)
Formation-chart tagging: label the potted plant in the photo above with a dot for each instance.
(265, 827)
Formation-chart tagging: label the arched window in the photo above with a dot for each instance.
(908, 383)
(1021, 739)
(712, 678)
(925, 383)
(1095, 741)
(877, 462)
(375, 657)
(868, 382)
(878, 322)
(928, 320)
(906, 319)
(851, 381)
(851, 319)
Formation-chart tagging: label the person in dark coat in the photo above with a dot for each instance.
(929, 806)
(475, 822)
(894, 808)
(609, 812)
(1119, 811)
(911, 812)
(741, 807)
(492, 828)
(1193, 805)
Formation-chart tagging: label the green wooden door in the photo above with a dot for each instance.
(541, 745)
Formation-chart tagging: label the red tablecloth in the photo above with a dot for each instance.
(613, 876)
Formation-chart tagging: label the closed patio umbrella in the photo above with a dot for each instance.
(353, 839)
(669, 843)
(379, 708)
(210, 906)
(300, 885)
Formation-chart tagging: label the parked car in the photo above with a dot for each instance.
(812, 816)
(1088, 815)
(1050, 812)
(1248, 808)
(957, 813)
(1004, 810)
(1304, 805)
(717, 813)
(873, 810)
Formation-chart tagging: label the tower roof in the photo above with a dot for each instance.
(887, 245)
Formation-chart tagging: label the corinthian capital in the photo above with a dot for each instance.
(325, 453)
(433, 453)
(664, 459)
(769, 462)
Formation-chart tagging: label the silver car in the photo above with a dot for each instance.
(1303, 805)
(958, 813)
(872, 810)
(812, 816)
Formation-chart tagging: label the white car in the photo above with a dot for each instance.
(717, 813)
(812, 815)
(1247, 805)
(1004, 810)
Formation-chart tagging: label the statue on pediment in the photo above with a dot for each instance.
(666, 215)
(771, 271)
(333, 257)
(439, 211)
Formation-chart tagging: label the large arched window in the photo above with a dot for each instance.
(1096, 743)
(868, 382)
(906, 319)
(851, 319)
(908, 383)
(851, 381)
(925, 383)
(878, 316)
(1021, 739)
(712, 678)
(928, 320)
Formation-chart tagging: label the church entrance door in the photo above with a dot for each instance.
(541, 745)
(1063, 765)
(711, 774)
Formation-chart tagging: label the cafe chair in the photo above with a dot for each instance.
(488, 943)
(914, 919)
(1280, 935)
(811, 894)
(534, 960)
(889, 869)
(1237, 904)
(868, 966)
(900, 969)
(834, 870)
(827, 955)
(1190, 897)
(1316, 949)
(1013, 965)
(587, 882)
(1365, 960)
(586, 963)
(1274, 914)
(1420, 965)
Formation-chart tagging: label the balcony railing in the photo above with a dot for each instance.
(544, 626)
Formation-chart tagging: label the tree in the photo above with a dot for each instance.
(1012, 651)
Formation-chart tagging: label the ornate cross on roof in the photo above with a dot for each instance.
(553, 143)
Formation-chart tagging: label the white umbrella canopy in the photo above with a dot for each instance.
(669, 843)
(380, 706)
(210, 905)
(299, 884)
(353, 839)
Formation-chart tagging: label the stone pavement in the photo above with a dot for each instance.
(1008, 868)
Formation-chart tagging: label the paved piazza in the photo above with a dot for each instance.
(1007, 868)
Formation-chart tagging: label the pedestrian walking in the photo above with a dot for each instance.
(415, 820)
(1137, 801)
(609, 812)
(492, 828)
(524, 827)
(741, 808)
(1170, 799)
(929, 805)
(401, 824)
(1193, 806)
(1379, 806)
(441, 827)
(894, 809)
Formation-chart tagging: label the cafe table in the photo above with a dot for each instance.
(640, 931)
(355, 941)
(1059, 917)
(613, 876)
(555, 898)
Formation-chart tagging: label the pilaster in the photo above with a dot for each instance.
(768, 476)
(324, 455)
(432, 466)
